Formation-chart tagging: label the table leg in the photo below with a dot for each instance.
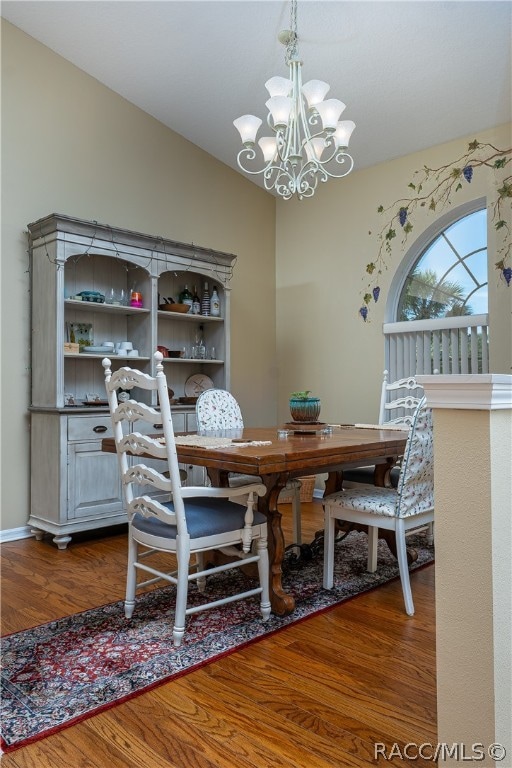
(333, 483)
(218, 478)
(382, 472)
(282, 602)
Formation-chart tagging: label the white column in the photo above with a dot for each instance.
(473, 538)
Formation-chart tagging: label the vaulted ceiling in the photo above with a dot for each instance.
(412, 74)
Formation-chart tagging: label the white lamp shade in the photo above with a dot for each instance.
(280, 108)
(268, 146)
(315, 91)
(314, 148)
(343, 133)
(278, 86)
(247, 126)
(330, 112)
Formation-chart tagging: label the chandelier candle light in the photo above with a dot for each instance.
(309, 142)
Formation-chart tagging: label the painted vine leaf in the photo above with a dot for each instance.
(433, 189)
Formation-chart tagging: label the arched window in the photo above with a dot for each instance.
(437, 304)
(449, 278)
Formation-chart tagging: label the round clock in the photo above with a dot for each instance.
(196, 384)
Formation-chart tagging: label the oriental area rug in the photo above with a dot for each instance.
(57, 674)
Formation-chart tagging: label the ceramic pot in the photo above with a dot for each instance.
(307, 409)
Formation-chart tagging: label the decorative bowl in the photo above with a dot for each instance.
(175, 307)
(94, 296)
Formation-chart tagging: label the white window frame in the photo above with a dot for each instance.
(446, 345)
(417, 249)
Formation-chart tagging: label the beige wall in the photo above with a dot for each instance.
(72, 146)
(323, 246)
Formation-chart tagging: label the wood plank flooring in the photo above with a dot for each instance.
(317, 695)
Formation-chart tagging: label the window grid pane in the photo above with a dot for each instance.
(450, 277)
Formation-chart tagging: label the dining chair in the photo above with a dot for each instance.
(218, 409)
(409, 506)
(184, 521)
(398, 402)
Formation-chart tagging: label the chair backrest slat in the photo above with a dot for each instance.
(416, 482)
(399, 400)
(132, 411)
(144, 475)
(138, 445)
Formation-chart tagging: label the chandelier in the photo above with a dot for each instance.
(309, 142)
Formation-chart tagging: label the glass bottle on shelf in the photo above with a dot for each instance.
(215, 303)
(200, 349)
(186, 297)
(205, 301)
(196, 303)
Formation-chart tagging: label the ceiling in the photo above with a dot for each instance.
(412, 74)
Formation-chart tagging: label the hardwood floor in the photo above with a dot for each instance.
(321, 693)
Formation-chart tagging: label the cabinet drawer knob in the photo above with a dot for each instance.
(100, 428)
(158, 426)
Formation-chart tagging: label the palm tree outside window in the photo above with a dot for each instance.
(449, 278)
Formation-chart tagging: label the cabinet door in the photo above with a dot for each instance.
(94, 486)
(191, 422)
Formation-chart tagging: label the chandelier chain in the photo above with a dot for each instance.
(291, 47)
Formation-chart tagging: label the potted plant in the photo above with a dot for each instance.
(304, 407)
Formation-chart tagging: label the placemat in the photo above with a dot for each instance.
(203, 441)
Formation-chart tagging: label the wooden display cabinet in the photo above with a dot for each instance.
(74, 486)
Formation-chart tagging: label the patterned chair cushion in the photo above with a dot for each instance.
(415, 491)
(218, 409)
(378, 501)
(416, 483)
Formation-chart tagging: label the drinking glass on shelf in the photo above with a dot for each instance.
(121, 297)
(213, 356)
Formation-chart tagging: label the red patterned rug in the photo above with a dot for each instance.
(59, 673)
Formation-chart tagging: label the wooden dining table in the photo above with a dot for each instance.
(263, 453)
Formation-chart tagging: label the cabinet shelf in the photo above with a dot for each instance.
(93, 306)
(198, 361)
(188, 318)
(100, 357)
